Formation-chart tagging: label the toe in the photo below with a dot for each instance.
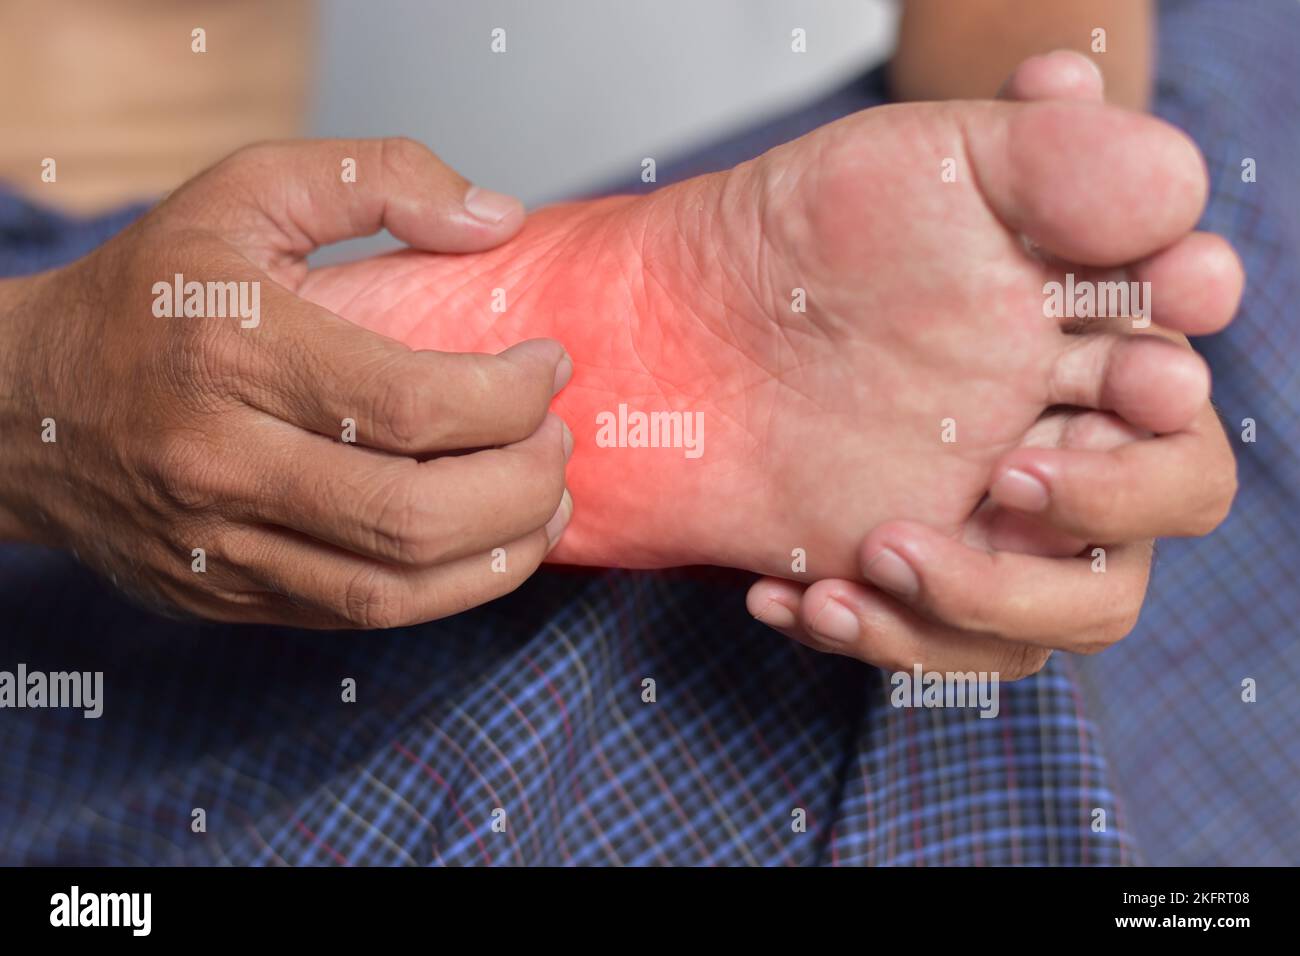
(1196, 284)
(1088, 183)
(1150, 382)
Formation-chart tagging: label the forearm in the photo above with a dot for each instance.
(964, 50)
(14, 413)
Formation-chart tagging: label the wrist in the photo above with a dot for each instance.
(20, 430)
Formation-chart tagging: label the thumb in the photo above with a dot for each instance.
(286, 199)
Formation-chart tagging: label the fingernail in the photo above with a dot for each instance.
(568, 441)
(490, 207)
(560, 520)
(1020, 490)
(563, 372)
(775, 614)
(891, 572)
(836, 623)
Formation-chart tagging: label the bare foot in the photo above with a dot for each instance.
(920, 357)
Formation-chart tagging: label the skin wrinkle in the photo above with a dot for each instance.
(761, 272)
(730, 313)
(807, 186)
(963, 120)
(433, 285)
(301, 243)
(176, 389)
(696, 247)
(648, 276)
(257, 227)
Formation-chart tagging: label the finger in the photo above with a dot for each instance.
(848, 618)
(308, 584)
(851, 619)
(1179, 485)
(286, 199)
(775, 602)
(308, 367)
(1076, 604)
(404, 511)
(1150, 382)
(1059, 75)
(1001, 529)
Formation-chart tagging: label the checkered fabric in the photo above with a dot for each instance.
(522, 732)
(1208, 777)
(535, 706)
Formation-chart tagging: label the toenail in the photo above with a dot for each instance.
(888, 570)
(1020, 490)
(836, 624)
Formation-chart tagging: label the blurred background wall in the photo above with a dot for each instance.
(577, 101)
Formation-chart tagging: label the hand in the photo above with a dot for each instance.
(275, 465)
(1079, 476)
(953, 605)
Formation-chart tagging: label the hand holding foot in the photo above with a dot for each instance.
(273, 465)
(1079, 477)
(923, 307)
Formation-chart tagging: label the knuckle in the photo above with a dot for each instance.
(224, 543)
(181, 472)
(250, 156)
(215, 360)
(402, 411)
(197, 357)
(398, 515)
(410, 405)
(1023, 660)
(232, 174)
(372, 601)
(402, 153)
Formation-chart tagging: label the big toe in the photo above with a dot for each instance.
(1086, 182)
